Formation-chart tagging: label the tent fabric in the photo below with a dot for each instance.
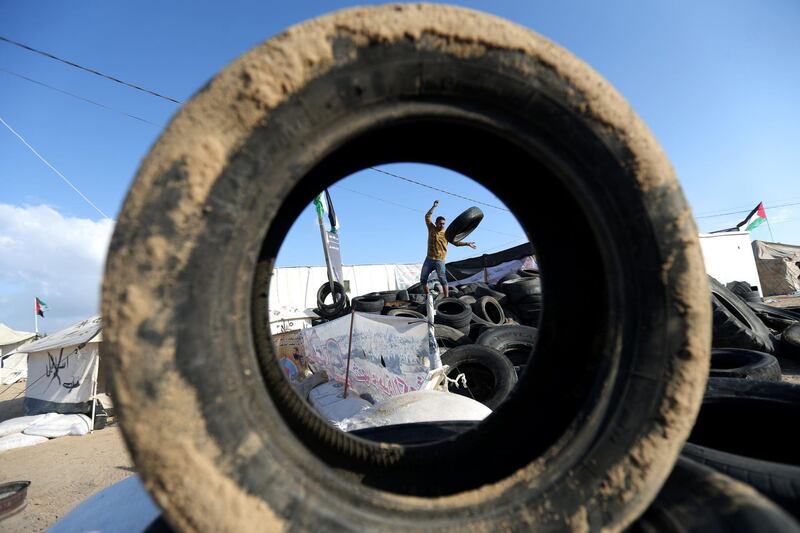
(778, 267)
(9, 336)
(60, 379)
(14, 367)
(466, 268)
(77, 334)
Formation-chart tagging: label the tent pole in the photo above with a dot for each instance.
(349, 351)
(94, 390)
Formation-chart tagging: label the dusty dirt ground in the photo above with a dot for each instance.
(63, 472)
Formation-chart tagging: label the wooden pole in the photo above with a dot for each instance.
(349, 351)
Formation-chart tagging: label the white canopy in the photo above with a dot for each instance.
(10, 336)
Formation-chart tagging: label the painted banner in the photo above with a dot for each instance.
(388, 353)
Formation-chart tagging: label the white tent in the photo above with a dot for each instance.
(13, 363)
(293, 290)
(63, 369)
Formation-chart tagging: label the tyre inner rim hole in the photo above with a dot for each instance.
(573, 383)
(480, 381)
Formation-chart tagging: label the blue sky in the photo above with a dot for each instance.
(717, 82)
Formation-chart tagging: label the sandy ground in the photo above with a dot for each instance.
(63, 472)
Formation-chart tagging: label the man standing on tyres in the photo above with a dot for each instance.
(437, 250)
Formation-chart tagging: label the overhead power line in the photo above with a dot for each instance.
(436, 189)
(54, 169)
(337, 186)
(87, 69)
(748, 210)
(77, 96)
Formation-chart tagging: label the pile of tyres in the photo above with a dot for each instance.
(745, 426)
(485, 332)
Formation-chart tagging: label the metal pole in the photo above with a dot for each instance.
(770, 229)
(349, 351)
(35, 316)
(94, 389)
(435, 358)
(322, 233)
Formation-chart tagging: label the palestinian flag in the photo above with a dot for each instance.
(756, 217)
(39, 307)
(324, 207)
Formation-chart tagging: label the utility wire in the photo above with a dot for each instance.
(173, 100)
(87, 69)
(54, 169)
(337, 186)
(77, 96)
(435, 189)
(748, 210)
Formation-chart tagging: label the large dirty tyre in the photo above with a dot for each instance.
(370, 303)
(489, 310)
(735, 324)
(744, 364)
(777, 481)
(698, 499)
(447, 337)
(221, 440)
(489, 376)
(463, 225)
(340, 300)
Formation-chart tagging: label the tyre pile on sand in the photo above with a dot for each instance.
(589, 437)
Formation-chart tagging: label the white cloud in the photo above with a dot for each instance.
(59, 259)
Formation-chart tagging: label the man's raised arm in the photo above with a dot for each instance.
(429, 214)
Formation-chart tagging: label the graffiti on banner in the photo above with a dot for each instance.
(386, 358)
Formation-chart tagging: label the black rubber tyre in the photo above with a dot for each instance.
(482, 289)
(488, 309)
(402, 295)
(774, 317)
(490, 376)
(415, 289)
(743, 290)
(367, 304)
(735, 324)
(340, 300)
(453, 312)
(447, 337)
(527, 288)
(509, 276)
(777, 481)
(698, 499)
(790, 341)
(468, 299)
(218, 434)
(515, 342)
(410, 313)
(463, 225)
(744, 364)
(750, 418)
(387, 296)
(528, 273)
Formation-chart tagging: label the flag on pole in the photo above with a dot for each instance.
(39, 307)
(756, 217)
(324, 206)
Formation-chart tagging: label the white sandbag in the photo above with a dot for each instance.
(17, 425)
(61, 426)
(328, 399)
(19, 440)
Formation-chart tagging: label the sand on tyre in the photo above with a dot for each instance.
(209, 417)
